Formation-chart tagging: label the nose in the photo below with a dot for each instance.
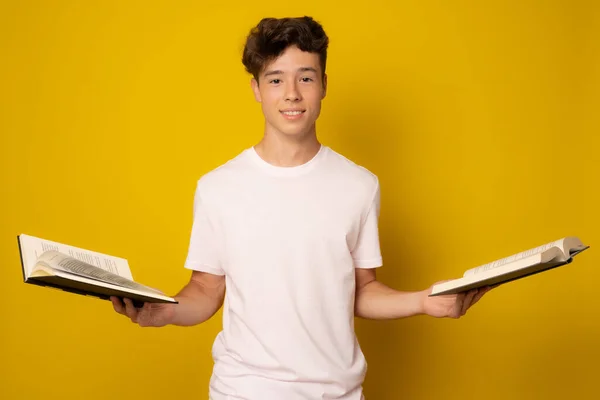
(291, 92)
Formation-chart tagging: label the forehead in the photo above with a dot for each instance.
(293, 59)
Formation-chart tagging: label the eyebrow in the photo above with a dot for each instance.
(279, 72)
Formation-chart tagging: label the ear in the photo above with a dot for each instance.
(324, 86)
(255, 89)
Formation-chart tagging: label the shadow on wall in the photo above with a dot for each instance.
(372, 134)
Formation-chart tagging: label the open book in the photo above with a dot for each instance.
(75, 270)
(516, 266)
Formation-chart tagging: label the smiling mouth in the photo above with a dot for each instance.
(292, 113)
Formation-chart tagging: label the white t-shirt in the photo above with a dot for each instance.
(287, 240)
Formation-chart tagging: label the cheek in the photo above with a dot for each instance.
(313, 99)
(269, 99)
(266, 101)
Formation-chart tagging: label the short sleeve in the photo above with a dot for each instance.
(367, 251)
(203, 252)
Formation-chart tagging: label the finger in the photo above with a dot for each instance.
(456, 309)
(130, 310)
(117, 305)
(468, 301)
(480, 294)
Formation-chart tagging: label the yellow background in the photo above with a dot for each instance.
(480, 118)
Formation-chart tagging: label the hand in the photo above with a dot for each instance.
(151, 314)
(452, 305)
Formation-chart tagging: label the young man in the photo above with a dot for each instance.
(290, 228)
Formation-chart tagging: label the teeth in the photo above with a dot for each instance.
(292, 112)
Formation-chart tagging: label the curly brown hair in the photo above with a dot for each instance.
(267, 40)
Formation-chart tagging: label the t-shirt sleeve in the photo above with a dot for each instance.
(367, 251)
(203, 252)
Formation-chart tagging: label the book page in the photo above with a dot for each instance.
(515, 257)
(62, 280)
(33, 247)
(512, 271)
(62, 262)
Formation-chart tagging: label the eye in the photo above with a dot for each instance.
(275, 81)
(306, 79)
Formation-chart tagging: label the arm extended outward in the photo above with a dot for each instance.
(375, 300)
(198, 301)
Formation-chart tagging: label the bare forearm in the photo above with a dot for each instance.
(197, 304)
(378, 301)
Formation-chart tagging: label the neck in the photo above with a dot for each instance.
(282, 151)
